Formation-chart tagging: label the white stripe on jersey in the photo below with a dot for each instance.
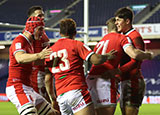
(126, 45)
(89, 49)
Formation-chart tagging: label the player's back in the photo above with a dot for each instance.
(112, 41)
(109, 42)
(69, 73)
(71, 62)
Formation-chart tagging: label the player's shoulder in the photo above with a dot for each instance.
(76, 42)
(19, 38)
(120, 36)
(133, 33)
(115, 34)
(68, 41)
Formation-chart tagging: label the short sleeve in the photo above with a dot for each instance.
(19, 45)
(125, 42)
(84, 51)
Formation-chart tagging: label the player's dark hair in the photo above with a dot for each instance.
(32, 9)
(68, 27)
(111, 24)
(125, 13)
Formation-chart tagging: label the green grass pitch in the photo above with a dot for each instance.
(7, 108)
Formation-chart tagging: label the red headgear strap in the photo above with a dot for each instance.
(32, 23)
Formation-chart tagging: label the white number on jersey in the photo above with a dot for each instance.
(102, 45)
(64, 65)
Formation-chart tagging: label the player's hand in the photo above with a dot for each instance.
(44, 53)
(55, 107)
(110, 55)
(56, 112)
(150, 55)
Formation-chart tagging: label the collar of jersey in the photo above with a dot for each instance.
(128, 32)
(64, 38)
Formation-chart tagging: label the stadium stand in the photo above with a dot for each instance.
(154, 18)
(99, 11)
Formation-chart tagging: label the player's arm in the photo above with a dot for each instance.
(49, 85)
(49, 78)
(50, 89)
(22, 57)
(97, 59)
(137, 53)
(139, 44)
(128, 66)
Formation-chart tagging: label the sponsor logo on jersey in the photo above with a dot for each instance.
(18, 45)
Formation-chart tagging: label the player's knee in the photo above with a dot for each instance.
(28, 109)
(46, 109)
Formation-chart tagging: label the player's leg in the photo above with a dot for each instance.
(38, 84)
(44, 108)
(103, 110)
(132, 96)
(131, 110)
(42, 105)
(28, 109)
(104, 95)
(44, 93)
(88, 110)
(20, 97)
(122, 109)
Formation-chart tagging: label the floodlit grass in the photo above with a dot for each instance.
(145, 109)
(7, 108)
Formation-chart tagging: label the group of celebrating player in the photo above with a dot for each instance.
(115, 59)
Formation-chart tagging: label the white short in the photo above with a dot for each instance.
(21, 95)
(37, 81)
(41, 89)
(73, 101)
(102, 91)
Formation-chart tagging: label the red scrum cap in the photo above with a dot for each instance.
(32, 23)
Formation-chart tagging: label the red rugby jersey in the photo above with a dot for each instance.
(38, 46)
(110, 41)
(133, 65)
(69, 74)
(19, 73)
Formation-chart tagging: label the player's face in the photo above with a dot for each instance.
(38, 32)
(121, 24)
(39, 13)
